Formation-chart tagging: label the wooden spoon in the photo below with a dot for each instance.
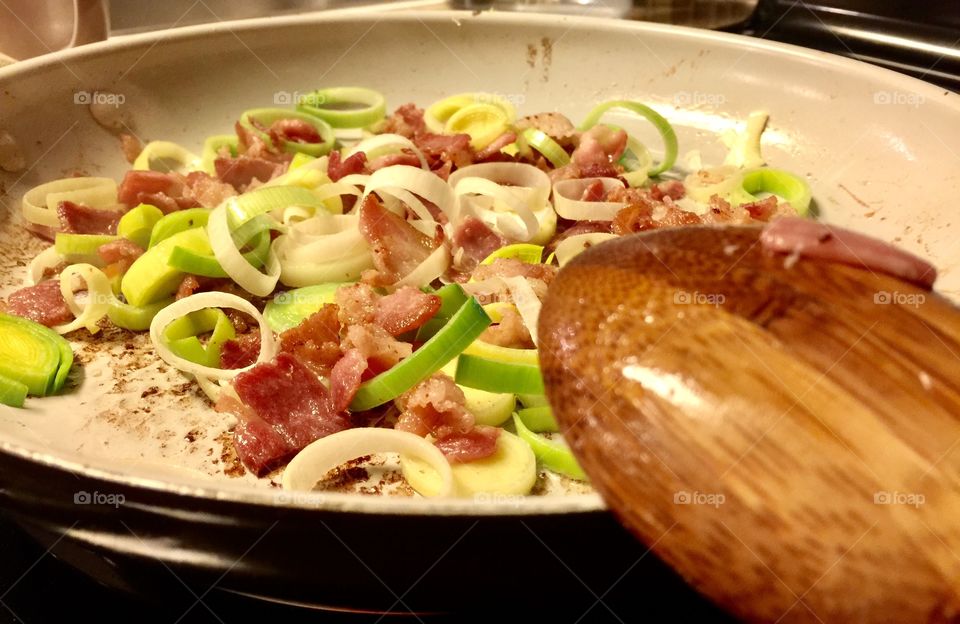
(785, 433)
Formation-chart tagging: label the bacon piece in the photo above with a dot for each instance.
(119, 255)
(243, 171)
(593, 192)
(389, 160)
(337, 168)
(509, 332)
(443, 148)
(258, 445)
(495, 146)
(556, 126)
(478, 443)
(345, 378)
(42, 304)
(207, 190)
(357, 304)
(674, 189)
(406, 121)
(188, 285)
(315, 341)
(288, 397)
(810, 239)
(397, 246)
(293, 130)
(378, 347)
(599, 145)
(79, 219)
(406, 309)
(240, 352)
(130, 146)
(435, 406)
(511, 267)
(477, 240)
(676, 216)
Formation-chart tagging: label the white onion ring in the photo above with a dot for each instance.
(99, 297)
(412, 180)
(40, 202)
(567, 194)
(315, 461)
(46, 259)
(514, 191)
(374, 147)
(202, 301)
(233, 262)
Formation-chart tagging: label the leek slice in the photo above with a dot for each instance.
(783, 184)
(211, 150)
(166, 157)
(289, 309)
(498, 376)
(489, 408)
(33, 360)
(533, 400)
(745, 146)
(137, 224)
(232, 260)
(464, 327)
(383, 144)
(99, 295)
(452, 297)
(659, 122)
(509, 197)
(177, 222)
(553, 455)
(510, 471)
(134, 318)
(151, 278)
(266, 116)
(539, 419)
(182, 336)
(48, 259)
(254, 233)
(524, 252)
(551, 150)
(345, 107)
(571, 247)
(299, 160)
(439, 113)
(81, 247)
(483, 122)
(507, 355)
(722, 181)
(567, 202)
(40, 203)
(273, 199)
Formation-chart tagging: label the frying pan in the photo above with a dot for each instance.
(129, 477)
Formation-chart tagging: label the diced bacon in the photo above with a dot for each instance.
(345, 378)
(207, 190)
(674, 189)
(477, 240)
(119, 255)
(315, 341)
(721, 211)
(478, 443)
(130, 146)
(434, 406)
(188, 285)
(79, 219)
(509, 332)
(242, 171)
(763, 209)
(42, 304)
(357, 304)
(293, 130)
(258, 444)
(240, 352)
(676, 216)
(406, 309)
(389, 160)
(397, 246)
(443, 148)
(378, 347)
(163, 190)
(554, 125)
(495, 146)
(251, 145)
(601, 145)
(594, 192)
(511, 267)
(337, 168)
(406, 121)
(286, 395)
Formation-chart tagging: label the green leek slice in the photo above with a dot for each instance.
(452, 297)
(137, 224)
(164, 156)
(266, 116)
(211, 150)
(182, 336)
(539, 419)
(134, 318)
(255, 232)
(81, 247)
(177, 222)
(269, 198)
(345, 107)
(498, 376)
(525, 252)
(780, 183)
(551, 150)
(660, 123)
(463, 328)
(151, 278)
(33, 357)
(289, 309)
(439, 113)
(553, 455)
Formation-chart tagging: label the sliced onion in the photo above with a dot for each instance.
(570, 247)
(46, 259)
(165, 156)
(314, 462)
(202, 301)
(40, 203)
(98, 300)
(383, 144)
(236, 266)
(567, 194)
(404, 181)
